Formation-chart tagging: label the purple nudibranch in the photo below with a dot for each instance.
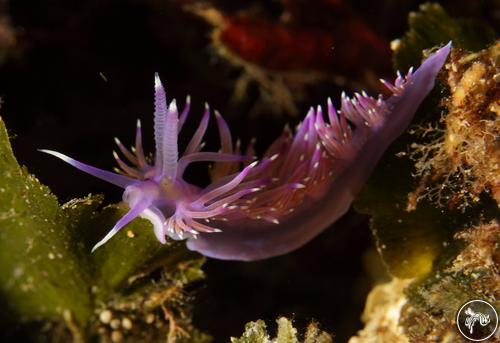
(304, 182)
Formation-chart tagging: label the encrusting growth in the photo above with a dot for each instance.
(463, 160)
(252, 210)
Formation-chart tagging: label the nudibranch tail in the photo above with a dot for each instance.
(416, 85)
(321, 182)
(252, 210)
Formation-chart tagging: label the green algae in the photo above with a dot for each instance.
(431, 26)
(47, 272)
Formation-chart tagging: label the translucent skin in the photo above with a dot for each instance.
(254, 210)
(254, 242)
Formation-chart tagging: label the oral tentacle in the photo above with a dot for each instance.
(113, 178)
(133, 213)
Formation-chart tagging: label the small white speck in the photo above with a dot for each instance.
(105, 316)
(126, 323)
(150, 318)
(103, 77)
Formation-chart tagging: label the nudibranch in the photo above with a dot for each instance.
(252, 210)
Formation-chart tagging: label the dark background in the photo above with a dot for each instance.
(54, 96)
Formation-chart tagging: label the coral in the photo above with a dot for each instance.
(256, 332)
(463, 159)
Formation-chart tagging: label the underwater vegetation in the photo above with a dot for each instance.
(424, 310)
(440, 252)
(421, 162)
(47, 271)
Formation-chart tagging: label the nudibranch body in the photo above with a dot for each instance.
(253, 210)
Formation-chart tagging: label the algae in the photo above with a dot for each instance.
(47, 272)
